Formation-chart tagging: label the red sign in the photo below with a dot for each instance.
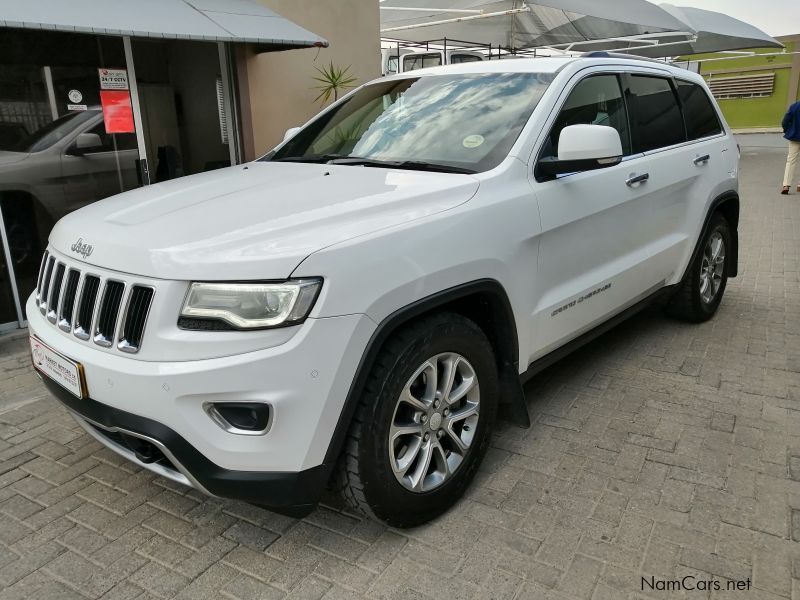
(117, 111)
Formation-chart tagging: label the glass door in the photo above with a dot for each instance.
(66, 138)
(181, 93)
(10, 314)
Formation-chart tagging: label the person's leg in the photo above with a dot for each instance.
(791, 166)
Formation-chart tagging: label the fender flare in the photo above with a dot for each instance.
(512, 397)
(728, 204)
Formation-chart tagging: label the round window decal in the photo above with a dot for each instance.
(473, 141)
(75, 96)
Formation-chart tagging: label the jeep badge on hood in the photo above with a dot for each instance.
(79, 247)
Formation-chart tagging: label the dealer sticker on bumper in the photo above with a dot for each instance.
(65, 372)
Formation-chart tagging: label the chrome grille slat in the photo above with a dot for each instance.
(86, 307)
(108, 313)
(135, 319)
(93, 307)
(46, 285)
(68, 301)
(55, 292)
(41, 277)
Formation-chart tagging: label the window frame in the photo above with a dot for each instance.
(558, 109)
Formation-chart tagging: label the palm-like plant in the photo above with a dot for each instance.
(332, 80)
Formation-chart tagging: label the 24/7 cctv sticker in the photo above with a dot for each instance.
(473, 141)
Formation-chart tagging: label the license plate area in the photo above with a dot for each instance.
(58, 368)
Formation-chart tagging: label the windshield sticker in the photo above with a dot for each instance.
(473, 141)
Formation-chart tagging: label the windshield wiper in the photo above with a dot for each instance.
(411, 165)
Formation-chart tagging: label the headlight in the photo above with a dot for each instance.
(252, 305)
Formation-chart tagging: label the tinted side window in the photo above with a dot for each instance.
(597, 100)
(698, 111)
(656, 119)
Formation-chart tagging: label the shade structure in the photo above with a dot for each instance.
(522, 23)
(715, 32)
(709, 31)
(209, 20)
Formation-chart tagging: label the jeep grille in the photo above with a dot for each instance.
(106, 311)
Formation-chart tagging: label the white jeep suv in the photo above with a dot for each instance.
(358, 306)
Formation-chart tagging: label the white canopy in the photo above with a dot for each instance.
(522, 23)
(706, 31)
(210, 20)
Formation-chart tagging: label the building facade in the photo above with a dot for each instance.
(87, 115)
(754, 91)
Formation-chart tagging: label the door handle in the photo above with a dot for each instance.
(634, 179)
(702, 159)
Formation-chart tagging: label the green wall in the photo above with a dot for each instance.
(743, 113)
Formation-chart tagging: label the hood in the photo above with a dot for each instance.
(9, 158)
(256, 221)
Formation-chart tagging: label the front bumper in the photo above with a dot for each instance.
(295, 494)
(305, 382)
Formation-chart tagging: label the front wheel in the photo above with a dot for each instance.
(701, 292)
(423, 422)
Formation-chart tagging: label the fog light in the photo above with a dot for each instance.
(241, 418)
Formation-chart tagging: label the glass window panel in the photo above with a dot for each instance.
(413, 62)
(463, 121)
(49, 97)
(8, 310)
(597, 100)
(701, 117)
(464, 58)
(656, 118)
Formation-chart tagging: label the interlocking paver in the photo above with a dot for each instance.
(661, 450)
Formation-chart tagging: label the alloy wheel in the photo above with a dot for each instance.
(712, 268)
(434, 422)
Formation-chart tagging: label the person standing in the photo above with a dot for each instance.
(791, 131)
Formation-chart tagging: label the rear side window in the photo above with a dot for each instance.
(456, 59)
(656, 120)
(698, 111)
(597, 100)
(413, 62)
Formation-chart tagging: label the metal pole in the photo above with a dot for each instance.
(51, 94)
(137, 109)
(12, 278)
(460, 11)
(226, 100)
(459, 19)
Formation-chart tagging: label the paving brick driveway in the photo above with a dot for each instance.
(661, 450)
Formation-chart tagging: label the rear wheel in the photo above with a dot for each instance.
(701, 292)
(423, 422)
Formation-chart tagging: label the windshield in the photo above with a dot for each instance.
(53, 132)
(469, 122)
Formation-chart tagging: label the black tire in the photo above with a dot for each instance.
(366, 478)
(688, 303)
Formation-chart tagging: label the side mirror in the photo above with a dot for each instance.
(85, 142)
(583, 148)
(290, 133)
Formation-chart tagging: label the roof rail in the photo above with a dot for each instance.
(621, 55)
